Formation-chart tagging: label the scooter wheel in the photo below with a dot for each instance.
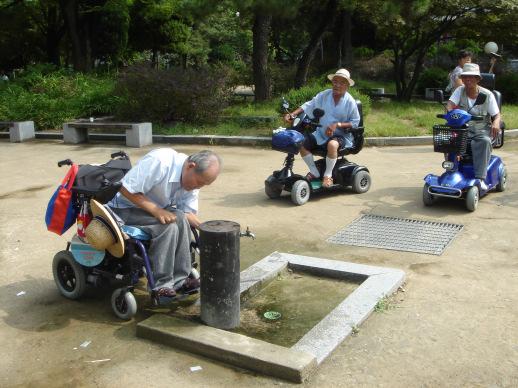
(428, 199)
(300, 192)
(472, 197)
(124, 304)
(69, 275)
(361, 182)
(272, 191)
(502, 184)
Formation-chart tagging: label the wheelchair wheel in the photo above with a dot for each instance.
(428, 199)
(124, 304)
(361, 182)
(300, 192)
(472, 197)
(502, 184)
(69, 275)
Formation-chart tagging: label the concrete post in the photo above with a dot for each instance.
(139, 135)
(219, 277)
(21, 130)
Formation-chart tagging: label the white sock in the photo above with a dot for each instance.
(308, 159)
(330, 164)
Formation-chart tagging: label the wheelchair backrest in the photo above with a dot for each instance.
(360, 111)
(488, 82)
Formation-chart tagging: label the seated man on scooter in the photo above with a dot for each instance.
(341, 114)
(160, 196)
(480, 132)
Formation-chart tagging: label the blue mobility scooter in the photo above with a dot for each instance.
(458, 181)
(289, 140)
(80, 266)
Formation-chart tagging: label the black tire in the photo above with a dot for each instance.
(300, 192)
(125, 305)
(271, 190)
(502, 184)
(361, 182)
(472, 197)
(69, 275)
(428, 199)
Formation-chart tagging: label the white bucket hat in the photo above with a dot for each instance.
(103, 232)
(471, 69)
(344, 73)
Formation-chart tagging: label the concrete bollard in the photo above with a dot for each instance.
(219, 274)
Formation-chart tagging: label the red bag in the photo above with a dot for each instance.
(61, 210)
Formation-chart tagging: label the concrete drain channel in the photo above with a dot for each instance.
(298, 361)
(400, 234)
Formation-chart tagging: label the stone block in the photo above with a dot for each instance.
(139, 135)
(21, 130)
(72, 135)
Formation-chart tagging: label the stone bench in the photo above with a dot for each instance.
(137, 134)
(19, 130)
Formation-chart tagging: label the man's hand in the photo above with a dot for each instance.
(331, 129)
(164, 216)
(495, 130)
(288, 117)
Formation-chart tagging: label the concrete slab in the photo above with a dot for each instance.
(296, 363)
(232, 348)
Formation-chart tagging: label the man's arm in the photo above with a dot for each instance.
(193, 220)
(143, 202)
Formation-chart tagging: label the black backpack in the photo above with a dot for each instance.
(102, 182)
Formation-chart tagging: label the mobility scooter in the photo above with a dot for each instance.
(458, 181)
(80, 265)
(289, 140)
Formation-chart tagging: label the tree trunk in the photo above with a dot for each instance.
(346, 47)
(70, 14)
(261, 33)
(309, 52)
(53, 34)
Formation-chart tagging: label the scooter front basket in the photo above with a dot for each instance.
(447, 139)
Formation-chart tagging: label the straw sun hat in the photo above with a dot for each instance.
(103, 232)
(344, 73)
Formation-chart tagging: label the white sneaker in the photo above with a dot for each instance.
(483, 185)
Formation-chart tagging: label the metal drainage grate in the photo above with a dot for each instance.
(399, 234)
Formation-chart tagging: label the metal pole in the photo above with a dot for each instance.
(219, 274)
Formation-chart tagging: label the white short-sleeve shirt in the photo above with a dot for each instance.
(492, 107)
(158, 176)
(345, 111)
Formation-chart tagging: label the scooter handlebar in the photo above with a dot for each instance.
(477, 118)
(63, 162)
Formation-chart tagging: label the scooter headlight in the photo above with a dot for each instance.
(296, 121)
(447, 165)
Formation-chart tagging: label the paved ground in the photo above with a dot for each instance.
(455, 324)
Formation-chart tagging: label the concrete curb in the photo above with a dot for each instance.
(254, 141)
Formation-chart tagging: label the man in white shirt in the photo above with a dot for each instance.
(480, 132)
(341, 114)
(454, 78)
(160, 196)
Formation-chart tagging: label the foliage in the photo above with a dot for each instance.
(507, 84)
(363, 52)
(191, 95)
(51, 99)
(433, 77)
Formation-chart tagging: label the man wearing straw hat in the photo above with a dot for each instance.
(480, 132)
(160, 196)
(341, 114)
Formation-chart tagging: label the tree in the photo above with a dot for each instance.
(410, 28)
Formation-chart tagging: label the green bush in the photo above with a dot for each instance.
(507, 84)
(433, 77)
(297, 97)
(188, 95)
(51, 98)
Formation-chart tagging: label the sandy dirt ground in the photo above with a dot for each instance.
(455, 324)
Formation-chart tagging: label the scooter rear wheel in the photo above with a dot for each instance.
(502, 184)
